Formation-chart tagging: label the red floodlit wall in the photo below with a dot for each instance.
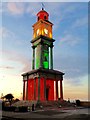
(31, 89)
(42, 89)
(50, 84)
(36, 88)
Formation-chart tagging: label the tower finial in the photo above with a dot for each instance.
(43, 6)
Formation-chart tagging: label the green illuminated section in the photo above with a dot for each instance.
(42, 57)
(45, 65)
(46, 61)
(37, 63)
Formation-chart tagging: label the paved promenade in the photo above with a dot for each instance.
(61, 114)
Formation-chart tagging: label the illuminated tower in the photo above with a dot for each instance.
(42, 82)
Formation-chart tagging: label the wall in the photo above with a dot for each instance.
(30, 89)
(49, 84)
(85, 103)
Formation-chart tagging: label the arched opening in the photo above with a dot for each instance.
(38, 18)
(45, 17)
(47, 93)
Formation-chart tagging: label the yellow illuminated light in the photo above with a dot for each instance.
(42, 32)
(38, 31)
(50, 35)
(34, 35)
(46, 31)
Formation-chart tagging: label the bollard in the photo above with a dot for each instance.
(32, 107)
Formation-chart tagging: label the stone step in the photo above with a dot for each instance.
(24, 103)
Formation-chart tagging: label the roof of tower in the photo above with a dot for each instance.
(42, 11)
(42, 14)
(47, 71)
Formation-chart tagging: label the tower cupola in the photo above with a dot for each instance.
(42, 15)
(43, 26)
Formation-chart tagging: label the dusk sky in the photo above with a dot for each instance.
(70, 31)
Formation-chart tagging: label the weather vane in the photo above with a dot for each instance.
(43, 6)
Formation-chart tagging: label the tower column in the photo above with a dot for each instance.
(51, 57)
(41, 64)
(44, 88)
(39, 88)
(56, 90)
(27, 89)
(33, 60)
(23, 89)
(34, 88)
(61, 90)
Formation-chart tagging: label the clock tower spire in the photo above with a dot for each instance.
(43, 6)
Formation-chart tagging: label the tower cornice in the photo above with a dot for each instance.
(42, 21)
(42, 37)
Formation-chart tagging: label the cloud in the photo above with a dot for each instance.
(81, 22)
(71, 59)
(16, 53)
(74, 82)
(68, 12)
(70, 40)
(9, 36)
(16, 57)
(0, 31)
(32, 8)
(6, 67)
(5, 33)
(19, 8)
(0, 8)
(15, 8)
(74, 67)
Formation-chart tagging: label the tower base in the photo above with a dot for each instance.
(42, 85)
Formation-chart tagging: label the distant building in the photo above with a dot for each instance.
(85, 103)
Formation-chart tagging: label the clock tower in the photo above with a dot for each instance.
(41, 83)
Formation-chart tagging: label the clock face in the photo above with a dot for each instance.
(38, 31)
(46, 31)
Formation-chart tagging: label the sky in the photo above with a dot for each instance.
(70, 31)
